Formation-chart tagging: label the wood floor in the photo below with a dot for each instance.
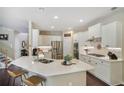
(91, 80)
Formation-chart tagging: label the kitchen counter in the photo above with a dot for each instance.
(106, 58)
(55, 72)
(109, 71)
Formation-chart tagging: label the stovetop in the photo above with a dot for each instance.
(46, 61)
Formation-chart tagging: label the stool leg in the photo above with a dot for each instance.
(24, 76)
(13, 81)
(41, 83)
(21, 81)
(9, 80)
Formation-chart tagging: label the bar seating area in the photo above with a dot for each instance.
(20, 73)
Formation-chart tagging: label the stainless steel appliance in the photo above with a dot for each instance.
(76, 50)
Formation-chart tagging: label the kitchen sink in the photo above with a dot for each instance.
(46, 61)
(96, 55)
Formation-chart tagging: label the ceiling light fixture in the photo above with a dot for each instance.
(81, 20)
(56, 17)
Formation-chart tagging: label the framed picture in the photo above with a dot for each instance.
(3, 36)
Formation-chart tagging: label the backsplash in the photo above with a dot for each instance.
(103, 51)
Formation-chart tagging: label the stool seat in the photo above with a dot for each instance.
(15, 73)
(33, 81)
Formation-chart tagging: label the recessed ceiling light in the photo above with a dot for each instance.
(52, 27)
(81, 20)
(56, 17)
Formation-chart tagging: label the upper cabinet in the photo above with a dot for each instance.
(80, 37)
(94, 31)
(112, 34)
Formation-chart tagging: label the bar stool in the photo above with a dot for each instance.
(34, 81)
(15, 74)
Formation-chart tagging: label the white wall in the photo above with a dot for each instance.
(8, 44)
(18, 43)
(45, 40)
(35, 37)
(68, 44)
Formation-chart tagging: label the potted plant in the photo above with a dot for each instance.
(67, 59)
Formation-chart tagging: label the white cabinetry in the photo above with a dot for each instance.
(80, 37)
(108, 71)
(111, 34)
(94, 31)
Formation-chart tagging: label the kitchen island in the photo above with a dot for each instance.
(55, 73)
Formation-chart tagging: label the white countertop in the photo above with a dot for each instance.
(51, 69)
(106, 58)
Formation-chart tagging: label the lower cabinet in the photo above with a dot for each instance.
(107, 71)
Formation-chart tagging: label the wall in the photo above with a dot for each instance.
(8, 44)
(35, 37)
(18, 43)
(68, 44)
(45, 40)
(13, 44)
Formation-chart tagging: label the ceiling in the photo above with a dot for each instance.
(43, 18)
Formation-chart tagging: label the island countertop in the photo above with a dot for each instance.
(51, 69)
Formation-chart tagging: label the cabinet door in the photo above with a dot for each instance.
(94, 31)
(92, 62)
(109, 34)
(103, 71)
(84, 58)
